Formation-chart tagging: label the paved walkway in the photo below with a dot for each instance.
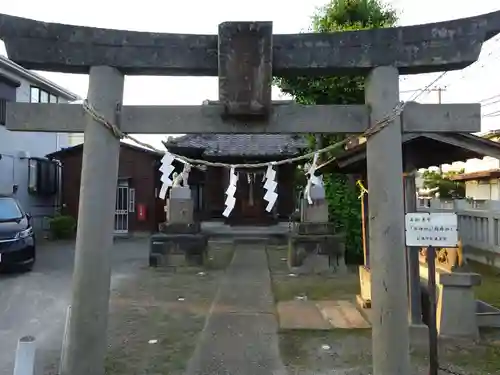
(240, 336)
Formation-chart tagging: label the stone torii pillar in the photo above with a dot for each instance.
(245, 56)
(386, 229)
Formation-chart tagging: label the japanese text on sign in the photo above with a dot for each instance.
(435, 229)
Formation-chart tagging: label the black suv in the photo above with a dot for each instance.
(17, 240)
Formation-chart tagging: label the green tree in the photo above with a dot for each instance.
(340, 15)
(446, 187)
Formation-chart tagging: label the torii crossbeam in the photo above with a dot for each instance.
(245, 56)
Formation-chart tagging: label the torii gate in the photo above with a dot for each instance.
(245, 56)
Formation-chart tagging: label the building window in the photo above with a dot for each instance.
(44, 96)
(42, 177)
(33, 176)
(37, 95)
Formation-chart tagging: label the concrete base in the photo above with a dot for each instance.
(180, 228)
(272, 235)
(176, 250)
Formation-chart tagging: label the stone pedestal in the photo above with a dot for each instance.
(456, 305)
(178, 249)
(317, 212)
(180, 241)
(313, 248)
(180, 206)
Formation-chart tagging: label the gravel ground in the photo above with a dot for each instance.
(156, 317)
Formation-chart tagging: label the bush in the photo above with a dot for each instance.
(62, 227)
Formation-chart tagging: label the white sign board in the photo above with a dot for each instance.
(431, 229)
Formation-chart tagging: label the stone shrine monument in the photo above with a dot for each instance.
(180, 241)
(244, 56)
(313, 247)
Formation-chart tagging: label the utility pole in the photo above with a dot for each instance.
(440, 92)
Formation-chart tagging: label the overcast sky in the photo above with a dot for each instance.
(474, 84)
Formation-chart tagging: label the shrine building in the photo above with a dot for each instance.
(138, 208)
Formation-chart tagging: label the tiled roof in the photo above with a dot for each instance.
(242, 144)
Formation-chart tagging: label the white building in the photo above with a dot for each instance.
(23, 166)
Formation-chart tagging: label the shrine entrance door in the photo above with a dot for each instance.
(250, 208)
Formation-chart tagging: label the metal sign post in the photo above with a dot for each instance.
(432, 230)
(432, 324)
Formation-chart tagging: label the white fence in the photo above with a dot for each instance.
(478, 225)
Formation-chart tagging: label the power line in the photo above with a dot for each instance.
(489, 98)
(492, 114)
(415, 90)
(491, 103)
(490, 56)
(492, 100)
(426, 88)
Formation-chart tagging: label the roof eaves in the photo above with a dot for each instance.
(37, 79)
(9, 79)
(67, 150)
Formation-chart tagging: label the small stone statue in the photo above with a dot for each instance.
(185, 175)
(175, 180)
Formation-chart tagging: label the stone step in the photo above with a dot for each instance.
(342, 314)
(301, 315)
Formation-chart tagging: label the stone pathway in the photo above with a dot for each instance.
(240, 336)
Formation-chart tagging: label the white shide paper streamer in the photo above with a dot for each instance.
(166, 170)
(270, 185)
(312, 179)
(231, 190)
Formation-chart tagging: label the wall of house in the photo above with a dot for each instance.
(485, 164)
(483, 189)
(17, 147)
(75, 139)
(138, 167)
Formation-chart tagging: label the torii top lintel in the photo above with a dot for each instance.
(441, 46)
